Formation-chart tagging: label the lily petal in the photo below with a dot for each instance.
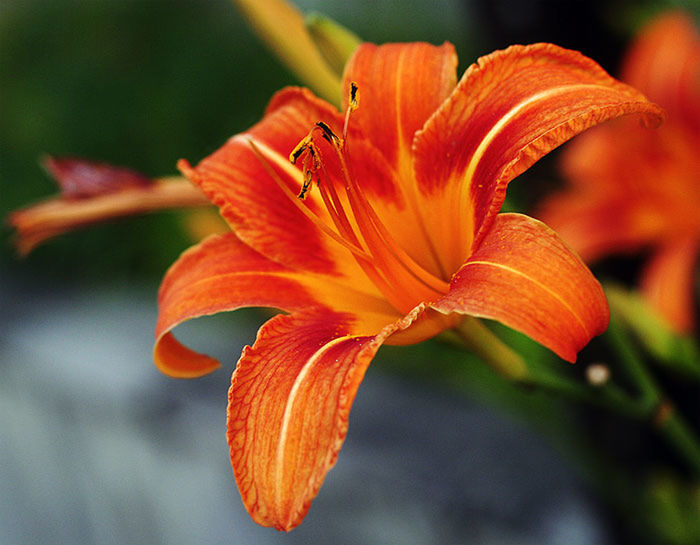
(400, 86)
(288, 410)
(223, 274)
(238, 180)
(668, 282)
(524, 276)
(508, 110)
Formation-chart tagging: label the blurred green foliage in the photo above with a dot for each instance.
(139, 84)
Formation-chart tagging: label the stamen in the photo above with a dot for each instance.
(335, 207)
(328, 134)
(308, 179)
(304, 209)
(348, 238)
(299, 149)
(381, 238)
(354, 101)
(353, 104)
(380, 234)
(386, 263)
(418, 272)
(308, 171)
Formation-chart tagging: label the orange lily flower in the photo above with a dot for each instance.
(95, 192)
(633, 189)
(382, 226)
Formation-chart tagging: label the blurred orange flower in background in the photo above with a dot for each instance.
(383, 228)
(632, 189)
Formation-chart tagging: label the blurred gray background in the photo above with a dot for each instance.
(98, 447)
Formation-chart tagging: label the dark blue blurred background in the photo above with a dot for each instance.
(96, 446)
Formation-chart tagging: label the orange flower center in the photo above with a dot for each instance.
(354, 223)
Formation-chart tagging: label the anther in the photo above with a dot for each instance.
(354, 96)
(308, 179)
(309, 170)
(299, 149)
(353, 104)
(328, 134)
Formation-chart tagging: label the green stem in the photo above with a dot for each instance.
(651, 405)
(491, 349)
(485, 344)
(677, 432)
(631, 361)
(662, 413)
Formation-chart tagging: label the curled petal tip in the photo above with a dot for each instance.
(175, 360)
(651, 115)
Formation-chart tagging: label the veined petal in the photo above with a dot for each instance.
(400, 86)
(508, 110)
(222, 274)
(524, 276)
(289, 403)
(239, 182)
(668, 282)
(664, 63)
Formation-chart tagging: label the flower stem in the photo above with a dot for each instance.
(677, 432)
(631, 361)
(663, 414)
(485, 344)
(478, 338)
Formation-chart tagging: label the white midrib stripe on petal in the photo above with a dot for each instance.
(271, 155)
(293, 393)
(537, 283)
(498, 127)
